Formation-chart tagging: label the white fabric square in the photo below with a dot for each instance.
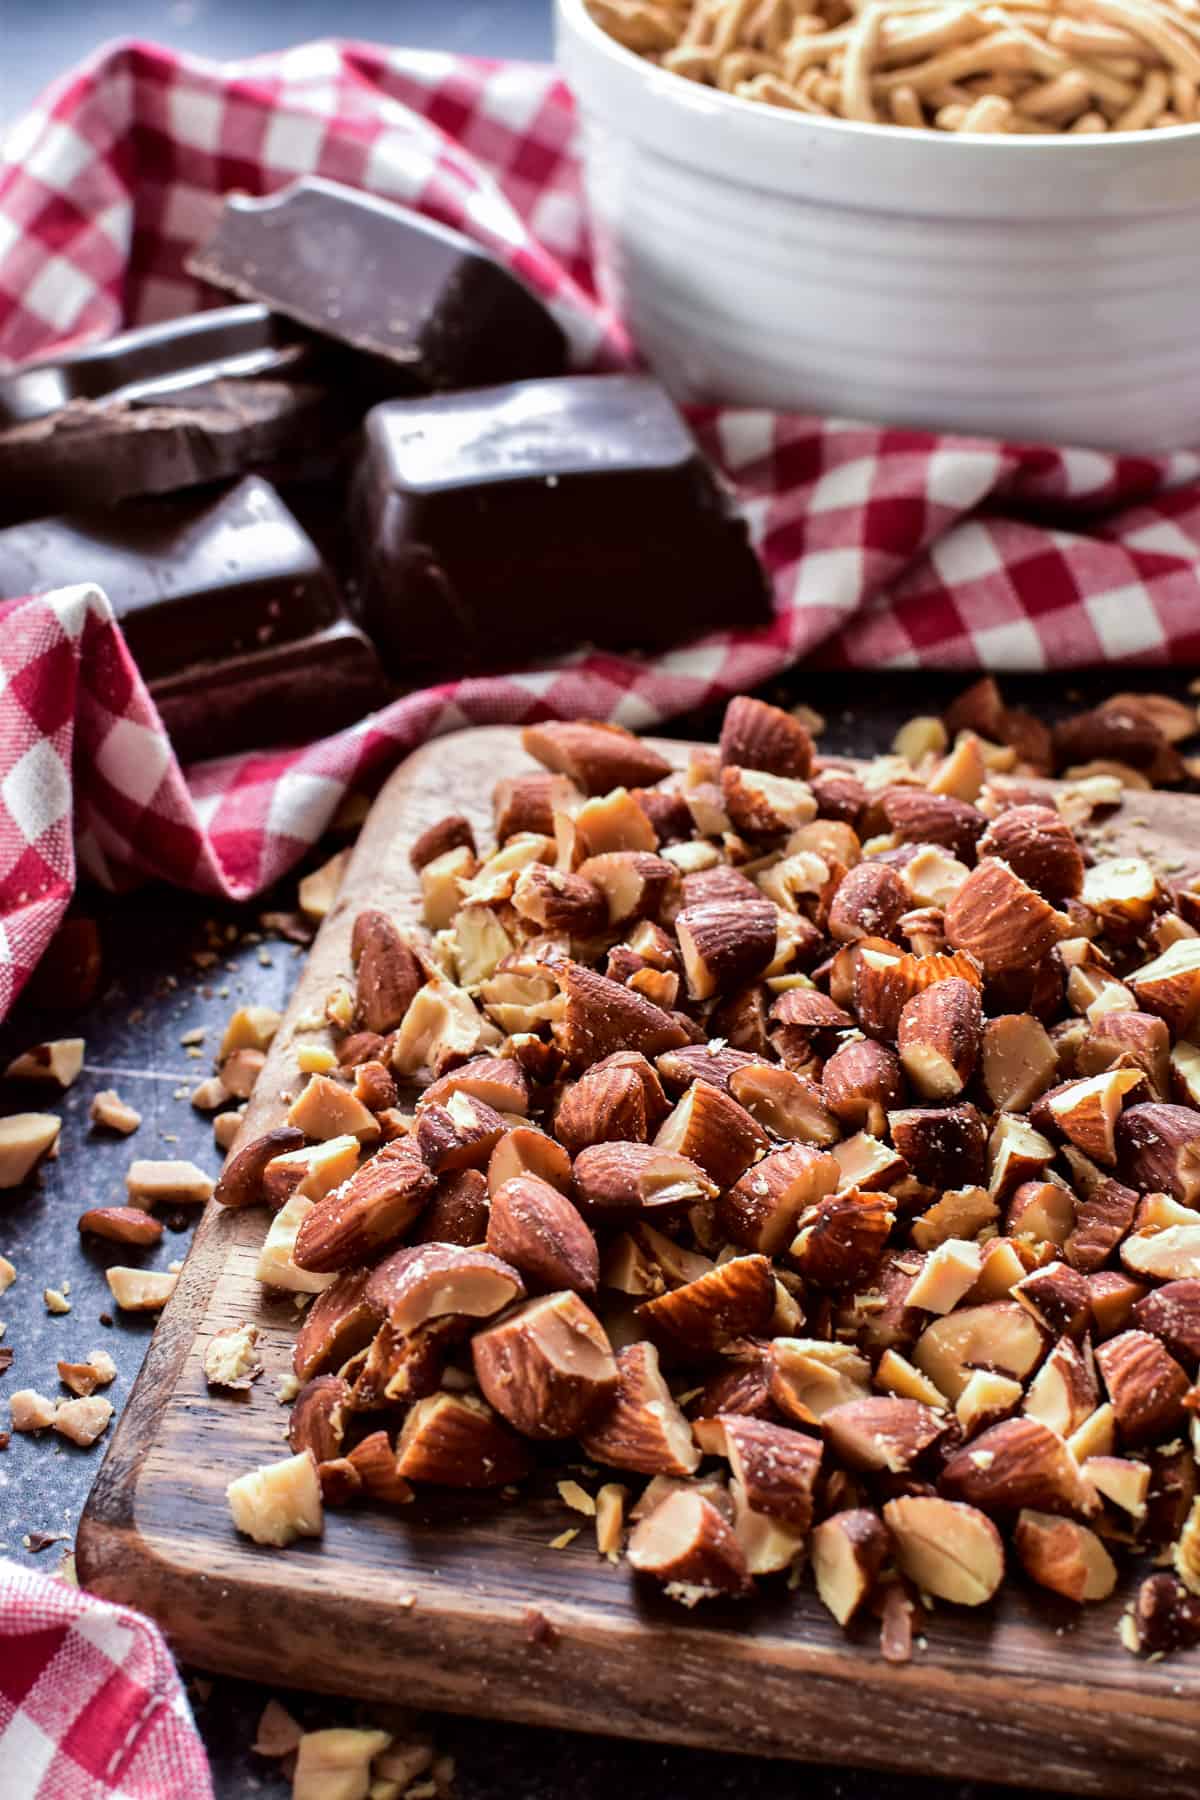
(849, 485)
(1164, 538)
(293, 141)
(134, 759)
(960, 478)
(829, 578)
(25, 1746)
(58, 292)
(37, 790)
(1124, 620)
(107, 1633)
(1013, 645)
(60, 156)
(196, 118)
(302, 804)
(967, 553)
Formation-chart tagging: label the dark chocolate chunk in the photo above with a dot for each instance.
(152, 361)
(101, 452)
(383, 279)
(509, 521)
(230, 613)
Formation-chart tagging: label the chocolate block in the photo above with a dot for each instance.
(231, 615)
(509, 521)
(382, 279)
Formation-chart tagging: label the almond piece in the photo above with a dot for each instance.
(614, 1180)
(784, 1102)
(776, 1467)
(457, 1212)
(844, 1242)
(389, 973)
(635, 884)
(733, 1300)
(151, 1184)
(960, 1213)
(110, 1111)
(1114, 1296)
(1064, 1556)
(1058, 1297)
(30, 1411)
(1172, 1314)
(498, 1081)
(762, 1209)
(1186, 1555)
(867, 1163)
(642, 1428)
(601, 1016)
(607, 1104)
(317, 1421)
(849, 1550)
(401, 1366)
(949, 1272)
(58, 1061)
(1018, 1463)
(945, 1147)
(336, 1764)
(444, 834)
(1087, 1111)
(1017, 1061)
(427, 1281)
(917, 816)
(558, 902)
(1127, 1040)
(121, 1225)
(861, 1083)
(999, 1335)
(938, 1036)
(807, 1377)
(949, 1550)
(462, 1134)
(1145, 1384)
(525, 1150)
(1121, 891)
(231, 1358)
(528, 803)
(1169, 986)
(241, 1181)
(1001, 921)
(762, 805)
(1039, 846)
(1016, 1154)
(312, 1172)
(536, 1230)
(709, 1127)
(376, 1205)
(276, 1266)
(325, 1109)
(140, 1290)
(882, 1432)
(1124, 1482)
(595, 756)
(686, 1544)
(376, 1465)
(986, 1399)
(1101, 1221)
(1042, 1212)
(442, 882)
(1159, 1150)
(1170, 1255)
(755, 735)
(1065, 1392)
(456, 1440)
(1165, 1617)
(931, 878)
(547, 1367)
(725, 945)
(83, 1420)
(869, 902)
(279, 1502)
(884, 980)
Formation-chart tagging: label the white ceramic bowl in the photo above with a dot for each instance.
(1028, 287)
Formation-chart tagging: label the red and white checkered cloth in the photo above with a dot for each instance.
(886, 549)
(90, 1704)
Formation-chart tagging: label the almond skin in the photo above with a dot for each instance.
(528, 803)
(602, 1016)
(456, 1440)
(458, 1211)
(709, 1126)
(496, 1080)
(861, 1083)
(1145, 1384)
(618, 1180)
(317, 1419)
(1172, 1314)
(1158, 1149)
(944, 1146)
(1001, 921)
(1101, 1221)
(340, 1322)
(846, 1239)
(938, 1037)
(378, 1203)
(642, 1428)
(1018, 1463)
(444, 834)
(725, 945)
(1040, 847)
(547, 1366)
(762, 1209)
(240, 1181)
(882, 1433)
(849, 1550)
(686, 1543)
(389, 973)
(121, 1225)
(776, 1466)
(919, 817)
(869, 902)
(619, 1099)
(597, 757)
(427, 1281)
(756, 735)
(538, 1231)
(730, 1301)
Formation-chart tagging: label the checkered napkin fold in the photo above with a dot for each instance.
(891, 549)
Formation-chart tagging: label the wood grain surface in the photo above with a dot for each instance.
(442, 1603)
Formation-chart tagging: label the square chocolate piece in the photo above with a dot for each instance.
(502, 523)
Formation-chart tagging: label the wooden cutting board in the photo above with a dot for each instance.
(460, 1602)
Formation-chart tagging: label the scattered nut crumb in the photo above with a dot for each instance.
(56, 1300)
(109, 1110)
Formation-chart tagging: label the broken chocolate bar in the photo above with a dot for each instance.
(170, 406)
(510, 521)
(227, 607)
(384, 280)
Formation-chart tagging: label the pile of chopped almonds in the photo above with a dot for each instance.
(820, 1141)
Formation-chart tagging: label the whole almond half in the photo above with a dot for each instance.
(547, 1366)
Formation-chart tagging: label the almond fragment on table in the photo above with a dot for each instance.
(114, 1114)
(240, 1070)
(25, 1138)
(231, 1359)
(1065, 1556)
(167, 1183)
(58, 1061)
(140, 1290)
(30, 1410)
(121, 1225)
(8, 1274)
(319, 889)
(55, 1301)
(849, 1550)
(83, 1420)
(249, 1028)
(278, 1733)
(950, 1550)
(84, 1378)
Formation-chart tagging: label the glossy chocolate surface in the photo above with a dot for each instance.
(382, 279)
(502, 523)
